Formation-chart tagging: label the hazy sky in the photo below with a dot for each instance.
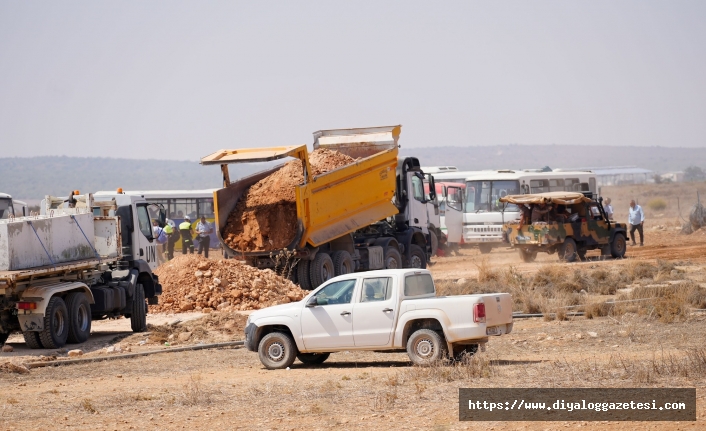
(179, 80)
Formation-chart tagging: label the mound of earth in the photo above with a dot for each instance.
(265, 218)
(192, 282)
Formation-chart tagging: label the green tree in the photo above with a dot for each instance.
(694, 173)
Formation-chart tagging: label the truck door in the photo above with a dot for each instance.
(329, 324)
(374, 312)
(454, 213)
(145, 247)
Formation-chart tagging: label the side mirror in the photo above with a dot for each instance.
(312, 302)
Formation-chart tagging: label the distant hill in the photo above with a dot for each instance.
(657, 159)
(31, 178)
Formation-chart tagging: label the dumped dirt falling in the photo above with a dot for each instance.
(265, 218)
(192, 282)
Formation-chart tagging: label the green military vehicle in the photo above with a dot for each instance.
(566, 223)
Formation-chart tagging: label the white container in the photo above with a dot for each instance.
(30, 242)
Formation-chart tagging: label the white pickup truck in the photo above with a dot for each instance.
(387, 310)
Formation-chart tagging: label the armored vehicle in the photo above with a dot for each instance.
(566, 223)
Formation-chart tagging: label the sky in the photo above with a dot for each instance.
(182, 79)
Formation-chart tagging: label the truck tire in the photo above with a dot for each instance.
(425, 347)
(56, 324)
(32, 340)
(568, 251)
(138, 314)
(321, 270)
(485, 248)
(3, 337)
(313, 358)
(618, 246)
(276, 351)
(342, 262)
(417, 257)
(303, 274)
(527, 256)
(393, 258)
(79, 317)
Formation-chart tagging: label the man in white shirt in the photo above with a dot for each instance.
(203, 230)
(636, 217)
(608, 209)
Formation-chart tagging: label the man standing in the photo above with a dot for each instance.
(172, 237)
(204, 229)
(186, 235)
(608, 209)
(636, 218)
(160, 236)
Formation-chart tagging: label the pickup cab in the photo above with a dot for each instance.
(387, 310)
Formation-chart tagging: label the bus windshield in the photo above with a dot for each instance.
(484, 196)
(6, 208)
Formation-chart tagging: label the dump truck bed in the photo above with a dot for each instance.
(329, 205)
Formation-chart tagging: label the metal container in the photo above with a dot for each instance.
(36, 241)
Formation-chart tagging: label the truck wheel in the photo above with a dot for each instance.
(417, 257)
(527, 256)
(393, 258)
(3, 337)
(485, 248)
(342, 262)
(138, 315)
(618, 246)
(276, 351)
(313, 358)
(567, 250)
(303, 274)
(56, 324)
(79, 317)
(32, 340)
(425, 347)
(321, 270)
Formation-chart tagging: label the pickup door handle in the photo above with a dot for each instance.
(345, 313)
(387, 310)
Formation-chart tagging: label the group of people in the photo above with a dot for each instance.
(543, 212)
(168, 236)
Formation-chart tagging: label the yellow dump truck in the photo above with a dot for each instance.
(370, 214)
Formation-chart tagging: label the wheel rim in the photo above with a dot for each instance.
(620, 244)
(326, 271)
(416, 261)
(425, 348)
(570, 251)
(275, 351)
(58, 322)
(391, 263)
(82, 318)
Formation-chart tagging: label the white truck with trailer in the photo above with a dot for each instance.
(84, 258)
(393, 310)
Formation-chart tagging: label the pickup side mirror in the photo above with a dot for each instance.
(312, 302)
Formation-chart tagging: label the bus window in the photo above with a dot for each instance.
(502, 189)
(571, 184)
(185, 207)
(556, 185)
(539, 186)
(206, 207)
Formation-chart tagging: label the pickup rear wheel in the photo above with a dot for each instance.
(302, 270)
(56, 324)
(313, 358)
(276, 351)
(425, 346)
(567, 250)
(342, 262)
(32, 340)
(618, 246)
(321, 270)
(79, 317)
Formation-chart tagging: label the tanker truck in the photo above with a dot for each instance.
(370, 214)
(81, 259)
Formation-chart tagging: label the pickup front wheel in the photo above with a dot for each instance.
(425, 347)
(277, 351)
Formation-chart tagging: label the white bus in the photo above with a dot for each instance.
(483, 217)
(12, 208)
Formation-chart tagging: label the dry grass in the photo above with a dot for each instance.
(195, 393)
(657, 204)
(470, 367)
(690, 365)
(87, 405)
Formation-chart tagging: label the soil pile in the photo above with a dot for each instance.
(194, 283)
(265, 218)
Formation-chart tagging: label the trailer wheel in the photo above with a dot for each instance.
(138, 315)
(56, 324)
(342, 262)
(425, 346)
(393, 258)
(79, 317)
(417, 257)
(618, 246)
(321, 270)
(313, 358)
(276, 351)
(32, 340)
(303, 274)
(568, 251)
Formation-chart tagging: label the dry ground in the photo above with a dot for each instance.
(229, 388)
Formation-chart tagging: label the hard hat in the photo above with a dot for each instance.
(187, 218)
